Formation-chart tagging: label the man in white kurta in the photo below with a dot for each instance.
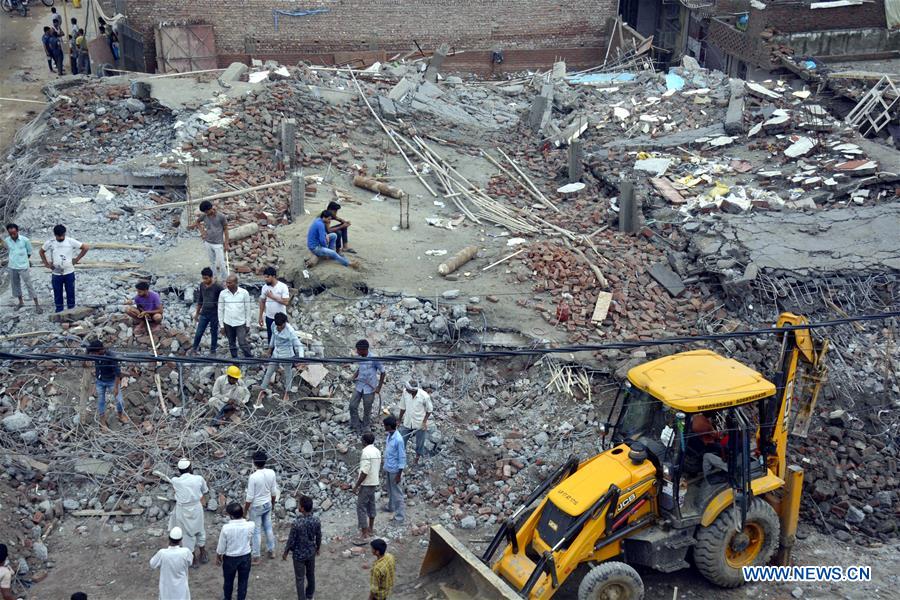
(190, 490)
(173, 564)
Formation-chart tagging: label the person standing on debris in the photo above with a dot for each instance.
(206, 299)
(233, 551)
(173, 564)
(369, 378)
(147, 306)
(108, 379)
(19, 266)
(284, 343)
(73, 49)
(366, 485)
(190, 501)
(45, 40)
(394, 463)
(84, 57)
(6, 574)
(55, 20)
(54, 42)
(321, 243)
(215, 236)
(381, 577)
(274, 298)
(61, 250)
(415, 408)
(229, 394)
(262, 490)
(235, 314)
(340, 228)
(304, 543)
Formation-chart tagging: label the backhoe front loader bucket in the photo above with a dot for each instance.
(451, 571)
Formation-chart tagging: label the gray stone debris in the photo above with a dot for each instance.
(18, 421)
(468, 522)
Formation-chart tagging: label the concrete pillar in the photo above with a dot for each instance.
(298, 194)
(288, 133)
(541, 107)
(576, 160)
(628, 223)
(436, 62)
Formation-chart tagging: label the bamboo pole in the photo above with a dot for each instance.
(220, 196)
(388, 132)
(503, 260)
(23, 100)
(162, 402)
(528, 181)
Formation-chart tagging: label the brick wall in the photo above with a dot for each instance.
(791, 17)
(247, 26)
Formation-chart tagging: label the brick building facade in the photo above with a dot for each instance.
(248, 27)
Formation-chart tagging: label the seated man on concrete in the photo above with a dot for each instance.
(340, 227)
(229, 394)
(321, 243)
(147, 305)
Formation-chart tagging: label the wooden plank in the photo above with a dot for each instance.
(90, 512)
(601, 308)
(664, 187)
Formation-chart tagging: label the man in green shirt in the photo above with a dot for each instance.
(19, 248)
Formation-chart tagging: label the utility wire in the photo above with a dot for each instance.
(438, 357)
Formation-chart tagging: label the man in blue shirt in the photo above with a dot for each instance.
(394, 463)
(368, 381)
(321, 243)
(20, 250)
(109, 379)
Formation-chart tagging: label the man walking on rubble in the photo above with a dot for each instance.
(235, 314)
(394, 463)
(190, 501)
(19, 250)
(368, 381)
(229, 394)
(215, 236)
(206, 299)
(108, 379)
(366, 486)
(233, 551)
(273, 299)
(284, 344)
(415, 408)
(61, 249)
(173, 564)
(262, 491)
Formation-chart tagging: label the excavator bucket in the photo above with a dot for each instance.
(451, 572)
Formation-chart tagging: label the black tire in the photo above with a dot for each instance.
(47, 2)
(611, 581)
(6, 5)
(720, 561)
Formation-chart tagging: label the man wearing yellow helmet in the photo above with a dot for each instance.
(229, 393)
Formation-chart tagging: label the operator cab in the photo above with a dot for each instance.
(694, 415)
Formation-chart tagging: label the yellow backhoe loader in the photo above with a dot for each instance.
(696, 468)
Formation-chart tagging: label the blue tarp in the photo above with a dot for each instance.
(674, 81)
(295, 13)
(601, 78)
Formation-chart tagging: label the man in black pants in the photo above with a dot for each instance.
(233, 551)
(304, 542)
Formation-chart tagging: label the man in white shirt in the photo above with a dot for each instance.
(235, 315)
(173, 564)
(190, 500)
(262, 490)
(233, 551)
(229, 394)
(415, 408)
(366, 486)
(61, 263)
(6, 574)
(274, 298)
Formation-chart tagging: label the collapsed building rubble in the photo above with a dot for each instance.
(747, 196)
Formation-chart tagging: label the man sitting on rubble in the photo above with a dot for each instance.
(229, 394)
(323, 244)
(340, 227)
(147, 306)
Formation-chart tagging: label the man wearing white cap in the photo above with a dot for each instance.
(415, 408)
(190, 500)
(173, 564)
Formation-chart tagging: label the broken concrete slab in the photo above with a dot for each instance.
(657, 166)
(761, 91)
(73, 314)
(734, 116)
(234, 72)
(857, 168)
(402, 88)
(667, 278)
(92, 467)
(682, 138)
(436, 62)
(387, 108)
(800, 146)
